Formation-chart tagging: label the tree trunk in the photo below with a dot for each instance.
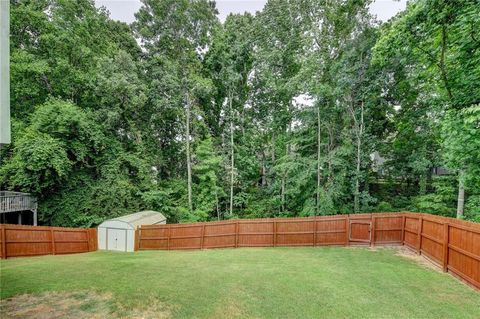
(232, 159)
(423, 184)
(319, 168)
(272, 175)
(264, 171)
(329, 150)
(284, 180)
(273, 148)
(284, 173)
(217, 204)
(359, 128)
(461, 193)
(356, 199)
(443, 68)
(189, 164)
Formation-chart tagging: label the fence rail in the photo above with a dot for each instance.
(453, 244)
(18, 240)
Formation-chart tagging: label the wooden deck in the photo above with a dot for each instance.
(18, 202)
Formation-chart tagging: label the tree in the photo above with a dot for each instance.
(205, 172)
(434, 41)
(79, 173)
(461, 148)
(230, 62)
(175, 33)
(59, 150)
(305, 108)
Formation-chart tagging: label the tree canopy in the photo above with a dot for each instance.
(305, 108)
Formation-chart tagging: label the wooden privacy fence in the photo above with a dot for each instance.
(19, 240)
(452, 243)
(271, 232)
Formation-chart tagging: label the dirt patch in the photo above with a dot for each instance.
(230, 306)
(83, 304)
(405, 252)
(419, 259)
(229, 310)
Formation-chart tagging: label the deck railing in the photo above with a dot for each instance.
(15, 201)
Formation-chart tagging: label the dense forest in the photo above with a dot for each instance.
(305, 108)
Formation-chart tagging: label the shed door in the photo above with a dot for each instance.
(116, 239)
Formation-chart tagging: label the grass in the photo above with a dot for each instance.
(255, 283)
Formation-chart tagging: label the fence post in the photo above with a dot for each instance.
(168, 237)
(4, 241)
(347, 230)
(446, 235)
(203, 236)
(420, 230)
(137, 239)
(95, 241)
(87, 231)
(237, 229)
(315, 231)
(52, 237)
(403, 229)
(89, 239)
(372, 233)
(274, 232)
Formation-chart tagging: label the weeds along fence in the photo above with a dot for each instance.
(452, 244)
(20, 240)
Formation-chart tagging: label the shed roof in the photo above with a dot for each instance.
(146, 217)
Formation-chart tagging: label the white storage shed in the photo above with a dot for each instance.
(119, 233)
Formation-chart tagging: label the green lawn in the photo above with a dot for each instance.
(225, 283)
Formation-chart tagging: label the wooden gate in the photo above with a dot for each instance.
(360, 229)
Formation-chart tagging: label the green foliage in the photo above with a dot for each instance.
(206, 182)
(441, 201)
(285, 109)
(472, 208)
(384, 207)
(461, 140)
(169, 198)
